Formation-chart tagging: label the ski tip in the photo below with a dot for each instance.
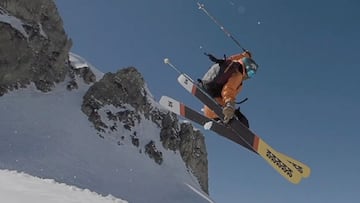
(187, 83)
(183, 79)
(171, 105)
(164, 99)
(166, 60)
(168, 102)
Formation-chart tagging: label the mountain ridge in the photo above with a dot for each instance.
(55, 109)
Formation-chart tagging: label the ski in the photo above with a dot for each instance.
(271, 156)
(221, 129)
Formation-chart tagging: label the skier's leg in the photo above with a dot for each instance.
(210, 113)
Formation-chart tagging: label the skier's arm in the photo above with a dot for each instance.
(237, 57)
(214, 59)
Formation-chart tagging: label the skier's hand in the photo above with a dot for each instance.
(214, 59)
(211, 57)
(228, 111)
(248, 53)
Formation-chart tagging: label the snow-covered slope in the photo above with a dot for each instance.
(48, 136)
(20, 187)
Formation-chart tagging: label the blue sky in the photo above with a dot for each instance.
(304, 100)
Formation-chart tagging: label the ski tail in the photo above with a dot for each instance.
(302, 168)
(275, 160)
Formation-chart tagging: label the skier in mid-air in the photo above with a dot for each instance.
(224, 81)
(220, 85)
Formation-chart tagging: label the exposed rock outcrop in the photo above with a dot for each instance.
(107, 105)
(34, 46)
(193, 152)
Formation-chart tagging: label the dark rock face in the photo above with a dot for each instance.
(126, 88)
(123, 87)
(193, 152)
(34, 46)
(153, 153)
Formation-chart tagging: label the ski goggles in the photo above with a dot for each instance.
(250, 67)
(250, 73)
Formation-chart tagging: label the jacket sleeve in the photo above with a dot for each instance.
(233, 87)
(237, 57)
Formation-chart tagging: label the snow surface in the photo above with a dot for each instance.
(48, 136)
(20, 187)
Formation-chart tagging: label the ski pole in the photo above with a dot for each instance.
(167, 61)
(227, 33)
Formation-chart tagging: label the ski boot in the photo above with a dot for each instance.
(241, 117)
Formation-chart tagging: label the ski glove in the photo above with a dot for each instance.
(229, 111)
(214, 59)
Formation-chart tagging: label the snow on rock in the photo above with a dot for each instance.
(42, 32)
(20, 187)
(13, 22)
(78, 62)
(207, 126)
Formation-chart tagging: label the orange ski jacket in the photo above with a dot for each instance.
(233, 86)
